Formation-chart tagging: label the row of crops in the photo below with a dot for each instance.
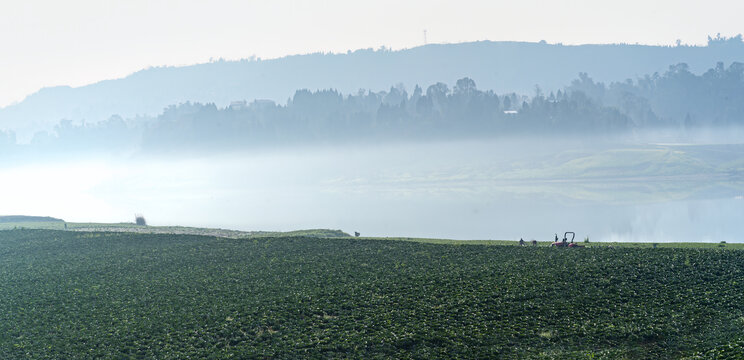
(113, 295)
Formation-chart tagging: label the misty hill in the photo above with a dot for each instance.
(501, 66)
(678, 103)
(27, 219)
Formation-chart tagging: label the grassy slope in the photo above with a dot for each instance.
(83, 295)
(646, 161)
(27, 219)
(620, 174)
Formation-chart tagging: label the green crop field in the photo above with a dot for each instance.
(67, 294)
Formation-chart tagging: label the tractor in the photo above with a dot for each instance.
(565, 242)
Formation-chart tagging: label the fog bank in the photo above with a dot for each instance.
(458, 190)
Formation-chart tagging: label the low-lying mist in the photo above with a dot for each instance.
(495, 189)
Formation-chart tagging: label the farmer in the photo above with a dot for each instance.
(521, 242)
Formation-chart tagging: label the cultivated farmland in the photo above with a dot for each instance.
(128, 295)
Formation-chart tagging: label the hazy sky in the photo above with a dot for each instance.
(77, 42)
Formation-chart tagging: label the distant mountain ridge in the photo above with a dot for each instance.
(501, 66)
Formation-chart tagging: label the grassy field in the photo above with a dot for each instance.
(688, 245)
(182, 230)
(67, 294)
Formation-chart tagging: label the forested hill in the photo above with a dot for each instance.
(677, 101)
(500, 66)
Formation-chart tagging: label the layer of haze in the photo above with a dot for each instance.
(503, 189)
(47, 43)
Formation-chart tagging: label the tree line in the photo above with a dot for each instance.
(677, 99)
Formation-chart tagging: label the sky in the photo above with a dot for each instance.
(78, 42)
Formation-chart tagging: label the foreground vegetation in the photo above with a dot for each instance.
(66, 294)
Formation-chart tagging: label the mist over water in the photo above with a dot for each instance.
(459, 190)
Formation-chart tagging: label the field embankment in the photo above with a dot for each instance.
(174, 230)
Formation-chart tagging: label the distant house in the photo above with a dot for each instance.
(238, 105)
